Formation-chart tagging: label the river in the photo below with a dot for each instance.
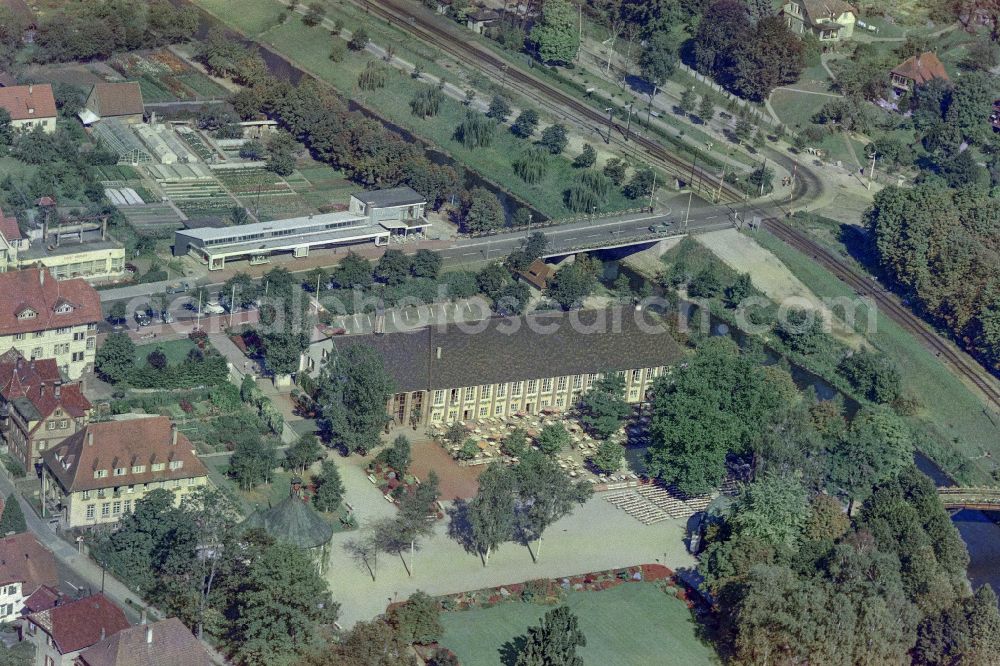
(980, 531)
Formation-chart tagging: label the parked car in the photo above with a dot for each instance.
(142, 318)
(179, 288)
(212, 307)
(167, 317)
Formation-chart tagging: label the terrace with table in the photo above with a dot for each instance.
(489, 433)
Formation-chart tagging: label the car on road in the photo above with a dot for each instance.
(660, 228)
(212, 307)
(142, 318)
(179, 288)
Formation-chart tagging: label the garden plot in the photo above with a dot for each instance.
(192, 187)
(197, 144)
(163, 77)
(266, 194)
(153, 215)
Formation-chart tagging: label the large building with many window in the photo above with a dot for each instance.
(42, 317)
(96, 476)
(505, 366)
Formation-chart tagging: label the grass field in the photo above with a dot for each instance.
(951, 415)
(634, 623)
(175, 350)
(310, 47)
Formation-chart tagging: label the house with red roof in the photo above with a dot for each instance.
(38, 406)
(916, 71)
(164, 643)
(62, 632)
(26, 567)
(30, 106)
(96, 476)
(42, 317)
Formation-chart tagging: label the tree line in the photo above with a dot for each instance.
(370, 154)
(99, 28)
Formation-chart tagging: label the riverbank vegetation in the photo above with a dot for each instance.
(794, 573)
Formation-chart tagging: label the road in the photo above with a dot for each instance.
(606, 231)
(83, 572)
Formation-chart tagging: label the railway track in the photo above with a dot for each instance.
(556, 101)
(961, 363)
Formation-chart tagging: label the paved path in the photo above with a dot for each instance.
(595, 537)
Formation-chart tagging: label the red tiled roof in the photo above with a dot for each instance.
(41, 383)
(41, 599)
(35, 289)
(116, 444)
(116, 99)
(28, 102)
(24, 560)
(538, 273)
(164, 643)
(80, 624)
(9, 228)
(922, 68)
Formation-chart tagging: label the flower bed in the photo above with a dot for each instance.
(551, 591)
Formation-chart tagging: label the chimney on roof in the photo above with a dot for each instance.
(41, 276)
(90, 437)
(102, 632)
(58, 390)
(173, 434)
(149, 634)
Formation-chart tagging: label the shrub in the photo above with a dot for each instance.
(554, 138)
(586, 158)
(580, 199)
(531, 165)
(374, 76)
(614, 169)
(469, 450)
(426, 102)
(359, 40)
(499, 109)
(596, 182)
(526, 124)
(337, 50)
(475, 131)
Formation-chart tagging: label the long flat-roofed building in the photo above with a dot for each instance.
(372, 217)
(257, 241)
(522, 364)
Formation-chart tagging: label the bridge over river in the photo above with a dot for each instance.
(982, 499)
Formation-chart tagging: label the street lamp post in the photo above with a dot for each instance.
(628, 123)
(611, 113)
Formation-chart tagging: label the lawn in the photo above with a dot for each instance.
(633, 623)
(253, 17)
(310, 48)
(951, 418)
(796, 109)
(175, 350)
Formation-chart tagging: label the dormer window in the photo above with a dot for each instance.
(138, 469)
(158, 467)
(176, 464)
(27, 313)
(119, 471)
(64, 308)
(100, 473)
